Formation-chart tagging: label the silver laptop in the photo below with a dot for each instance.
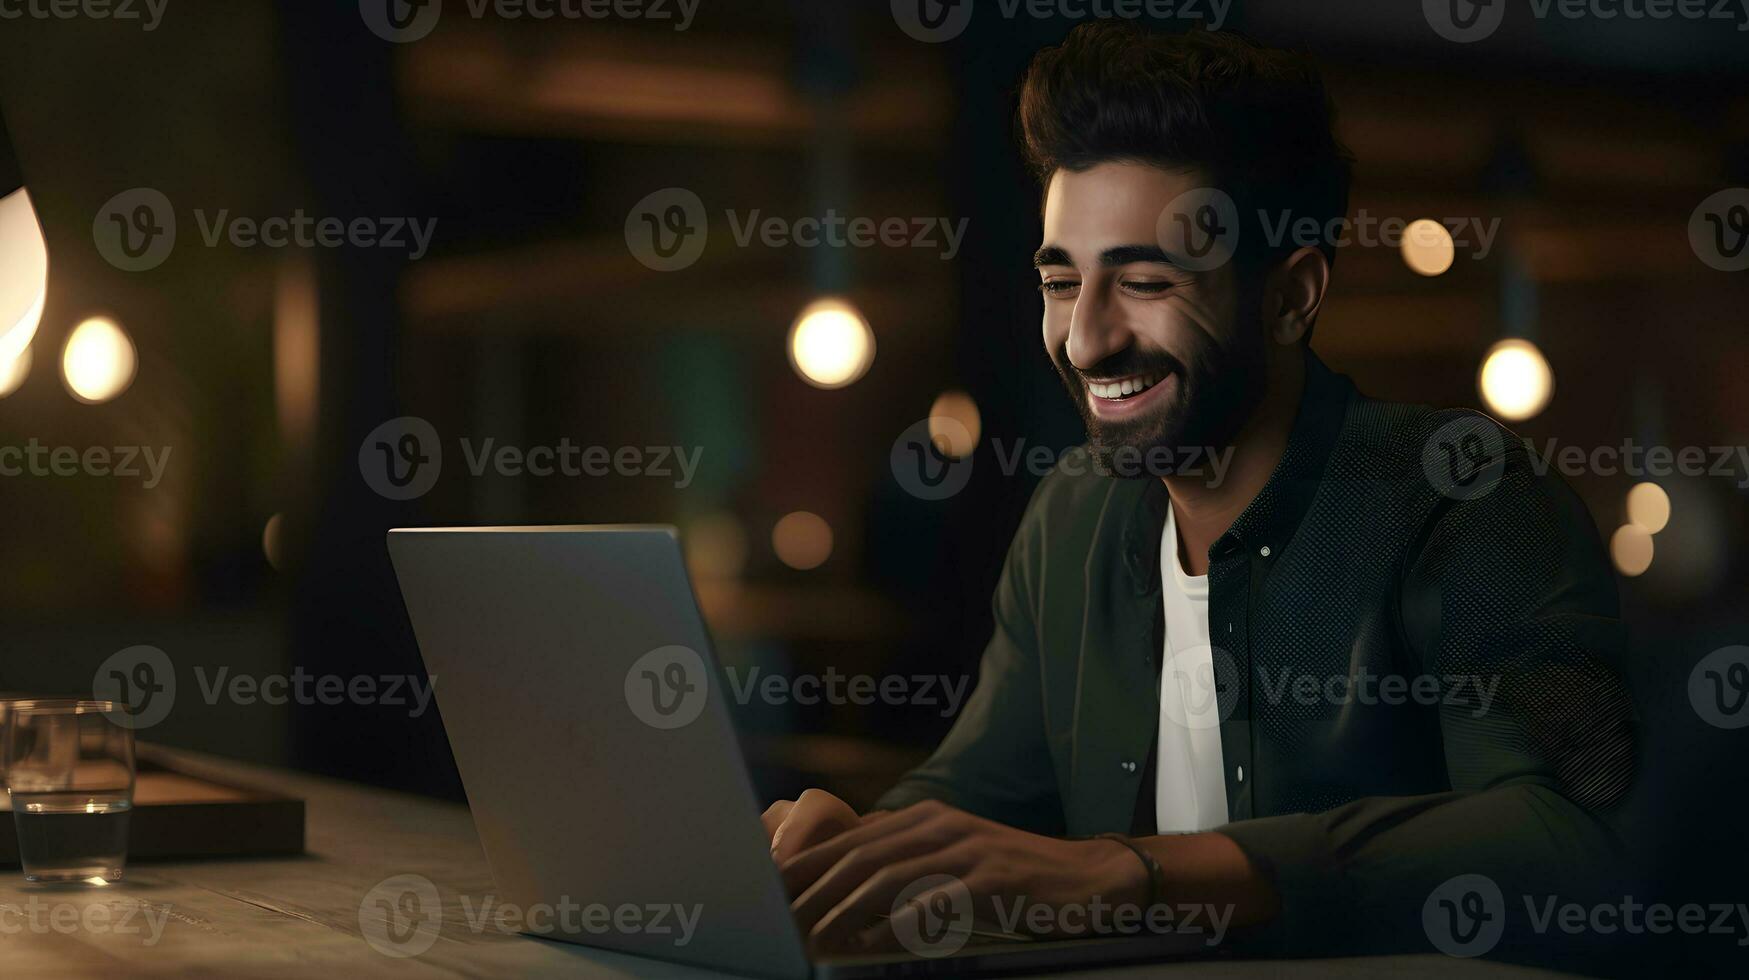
(581, 698)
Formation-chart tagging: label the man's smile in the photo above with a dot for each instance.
(1128, 396)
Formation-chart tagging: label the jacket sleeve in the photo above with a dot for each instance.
(995, 762)
(1511, 589)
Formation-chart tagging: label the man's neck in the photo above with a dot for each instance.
(1203, 512)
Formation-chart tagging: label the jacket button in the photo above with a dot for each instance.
(1129, 767)
(1264, 551)
(1241, 774)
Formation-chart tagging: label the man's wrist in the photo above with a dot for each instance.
(1121, 876)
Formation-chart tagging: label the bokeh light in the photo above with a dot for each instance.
(98, 362)
(831, 344)
(716, 546)
(950, 440)
(271, 545)
(1516, 381)
(1649, 507)
(1631, 549)
(802, 540)
(1427, 247)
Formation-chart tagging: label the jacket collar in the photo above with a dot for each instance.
(1275, 513)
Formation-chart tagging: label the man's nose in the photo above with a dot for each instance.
(1095, 331)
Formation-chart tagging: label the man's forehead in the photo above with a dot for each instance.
(1110, 201)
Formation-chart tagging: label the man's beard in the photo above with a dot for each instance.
(1217, 390)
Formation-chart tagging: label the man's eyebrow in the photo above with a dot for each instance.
(1125, 254)
(1050, 255)
(1114, 256)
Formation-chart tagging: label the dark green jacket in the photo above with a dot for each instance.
(1392, 541)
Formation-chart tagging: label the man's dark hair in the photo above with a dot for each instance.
(1255, 120)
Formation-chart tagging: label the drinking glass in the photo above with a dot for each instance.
(69, 770)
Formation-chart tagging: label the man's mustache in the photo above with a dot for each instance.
(1124, 364)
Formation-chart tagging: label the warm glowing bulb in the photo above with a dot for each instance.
(1631, 547)
(24, 274)
(1427, 247)
(1649, 507)
(831, 344)
(954, 424)
(1515, 380)
(98, 362)
(802, 540)
(13, 372)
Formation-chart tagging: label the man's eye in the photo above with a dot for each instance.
(1057, 287)
(1147, 287)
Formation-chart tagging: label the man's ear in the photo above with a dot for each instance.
(1293, 293)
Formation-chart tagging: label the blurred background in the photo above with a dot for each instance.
(532, 147)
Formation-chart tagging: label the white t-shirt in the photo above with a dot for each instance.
(1190, 788)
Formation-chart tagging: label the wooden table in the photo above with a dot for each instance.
(301, 916)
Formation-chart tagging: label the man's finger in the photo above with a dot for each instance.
(817, 816)
(804, 868)
(860, 864)
(840, 928)
(774, 817)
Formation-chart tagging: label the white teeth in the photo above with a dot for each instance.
(1125, 388)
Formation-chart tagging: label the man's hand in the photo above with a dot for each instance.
(793, 826)
(846, 881)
